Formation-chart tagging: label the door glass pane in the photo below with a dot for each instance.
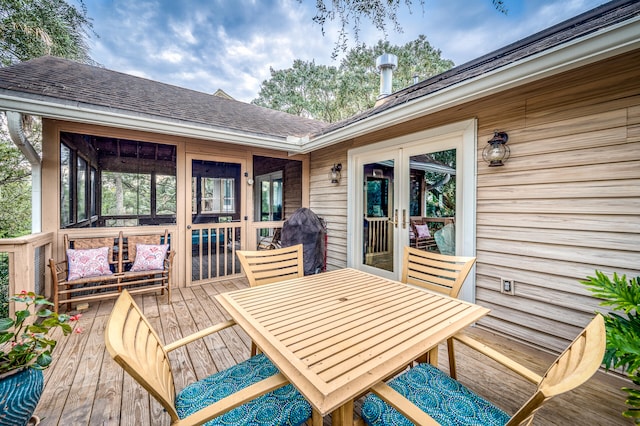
(432, 201)
(81, 189)
(379, 214)
(65, 186)
(270, 187)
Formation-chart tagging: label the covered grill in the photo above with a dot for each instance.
(306, 228)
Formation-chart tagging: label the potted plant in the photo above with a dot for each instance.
(25, 350)
(623, 331)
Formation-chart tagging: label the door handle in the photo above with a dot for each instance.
(395, 218)
(404, 219)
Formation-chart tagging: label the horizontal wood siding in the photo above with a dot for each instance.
(329, 201)
(566, 203)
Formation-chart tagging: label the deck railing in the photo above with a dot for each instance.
(378, 238)
(26, 259)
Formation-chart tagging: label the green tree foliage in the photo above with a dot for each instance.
(380, 13)
(15, 185)
(331, 94)
(32, 28)
(305, 89)
(28, 29)
(623, 330)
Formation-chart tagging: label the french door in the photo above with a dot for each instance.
(424, 177)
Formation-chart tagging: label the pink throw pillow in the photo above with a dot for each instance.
(423, 231)
(149, 257)
(88, 263)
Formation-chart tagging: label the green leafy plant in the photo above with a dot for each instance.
(25, 341)
(623, 331)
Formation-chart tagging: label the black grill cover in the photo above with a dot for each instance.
(306, 228)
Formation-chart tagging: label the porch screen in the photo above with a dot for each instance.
(116, 182)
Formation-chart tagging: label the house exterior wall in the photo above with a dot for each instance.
(329, 201)
(566, 203)
(184, 147)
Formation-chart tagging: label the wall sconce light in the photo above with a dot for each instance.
(334, 174)
(496, 150)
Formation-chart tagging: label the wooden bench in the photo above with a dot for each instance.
(122, 251)
(434, 224)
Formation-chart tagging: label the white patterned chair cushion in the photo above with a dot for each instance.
(88, 263)
(149, 257)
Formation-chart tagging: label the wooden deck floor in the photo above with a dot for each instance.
(85, 387)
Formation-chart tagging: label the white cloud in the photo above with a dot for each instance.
(206, 45)
(171, 55)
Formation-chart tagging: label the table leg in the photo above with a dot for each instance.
(343, 416)
(316, 418)
(433, 356)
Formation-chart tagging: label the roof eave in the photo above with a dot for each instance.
(71, 111)
(602, 44)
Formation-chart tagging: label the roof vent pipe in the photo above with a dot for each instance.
(386, 63)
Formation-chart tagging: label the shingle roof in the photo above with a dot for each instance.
(578, 26)
(61, 79)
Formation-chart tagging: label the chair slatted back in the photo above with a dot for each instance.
(269, 266)
(136, 347)
(571, 369)
(438, 272)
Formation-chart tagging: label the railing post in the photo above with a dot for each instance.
(24, 273)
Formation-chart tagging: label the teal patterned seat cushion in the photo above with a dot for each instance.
(284, 406)
(440, 396)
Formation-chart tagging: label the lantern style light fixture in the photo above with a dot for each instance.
(334, 174)
(496, 151)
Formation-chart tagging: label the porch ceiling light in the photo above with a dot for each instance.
(496, 151)
(334, 174)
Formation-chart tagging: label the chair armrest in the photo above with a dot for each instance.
(234, 400)
(498, 357)
(198, 335)
(403, 405)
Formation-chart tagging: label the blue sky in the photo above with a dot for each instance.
(231, 45)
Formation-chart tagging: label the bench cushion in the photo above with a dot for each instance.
(88, 263)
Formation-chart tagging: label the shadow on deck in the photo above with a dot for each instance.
(85, 387)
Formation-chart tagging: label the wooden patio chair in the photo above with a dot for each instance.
(239, 395)
(272, 241)
(433, 271)
(270, 266)
(440, 273)
(422, 238)
(427, 396)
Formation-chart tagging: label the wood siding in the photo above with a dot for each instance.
(566, 203)
(329, 201)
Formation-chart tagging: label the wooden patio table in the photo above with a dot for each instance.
(335, 334)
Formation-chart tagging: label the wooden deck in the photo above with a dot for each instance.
(85, 387)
